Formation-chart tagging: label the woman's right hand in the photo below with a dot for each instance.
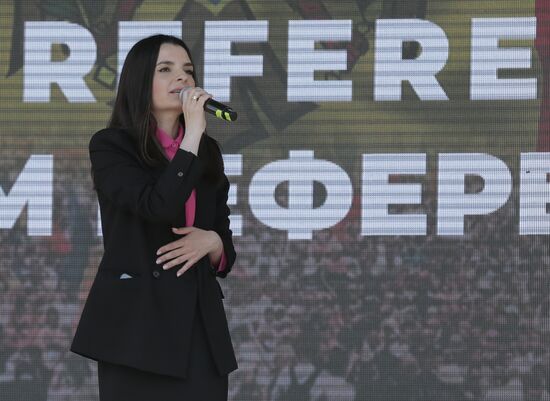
(193, 100)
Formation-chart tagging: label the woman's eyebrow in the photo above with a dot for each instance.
(172, 63)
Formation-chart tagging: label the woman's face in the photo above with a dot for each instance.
(173, 71)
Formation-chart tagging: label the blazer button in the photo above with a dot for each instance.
(180, 174)
(156, 274)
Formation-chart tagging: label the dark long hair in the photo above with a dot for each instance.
(132, 111)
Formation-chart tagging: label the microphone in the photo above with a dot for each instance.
(215, 108)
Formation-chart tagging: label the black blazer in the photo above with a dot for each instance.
(145, 322)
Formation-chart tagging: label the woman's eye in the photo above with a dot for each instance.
(167, 69)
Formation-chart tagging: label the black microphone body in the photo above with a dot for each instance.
(216, 108)
(220, 110)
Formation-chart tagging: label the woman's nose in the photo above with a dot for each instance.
(184, 77)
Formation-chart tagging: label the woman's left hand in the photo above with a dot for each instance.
(194, 244)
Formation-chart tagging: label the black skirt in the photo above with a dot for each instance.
(203, 382)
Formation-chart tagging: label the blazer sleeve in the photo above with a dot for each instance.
(120, 177)
(221, 226)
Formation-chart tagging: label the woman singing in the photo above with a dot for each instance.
(154, 318)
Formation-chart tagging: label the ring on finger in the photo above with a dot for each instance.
(195, 98)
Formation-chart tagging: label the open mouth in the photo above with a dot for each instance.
(179, 90)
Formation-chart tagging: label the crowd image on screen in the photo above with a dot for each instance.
(341, 317)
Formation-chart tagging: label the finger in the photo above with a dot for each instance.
(186, 93)
(186, 96)
(183, 230)
(194, 97)
(202, 100)
(171, 245)
(195, 93)
(198, 92)
(177, 261)
(171, 255)
(186, 267)
(199, 99)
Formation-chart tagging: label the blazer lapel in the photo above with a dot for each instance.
(199, 218)
(206, 204)
(181, 220)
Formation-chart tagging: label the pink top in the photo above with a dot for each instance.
(171, 146)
